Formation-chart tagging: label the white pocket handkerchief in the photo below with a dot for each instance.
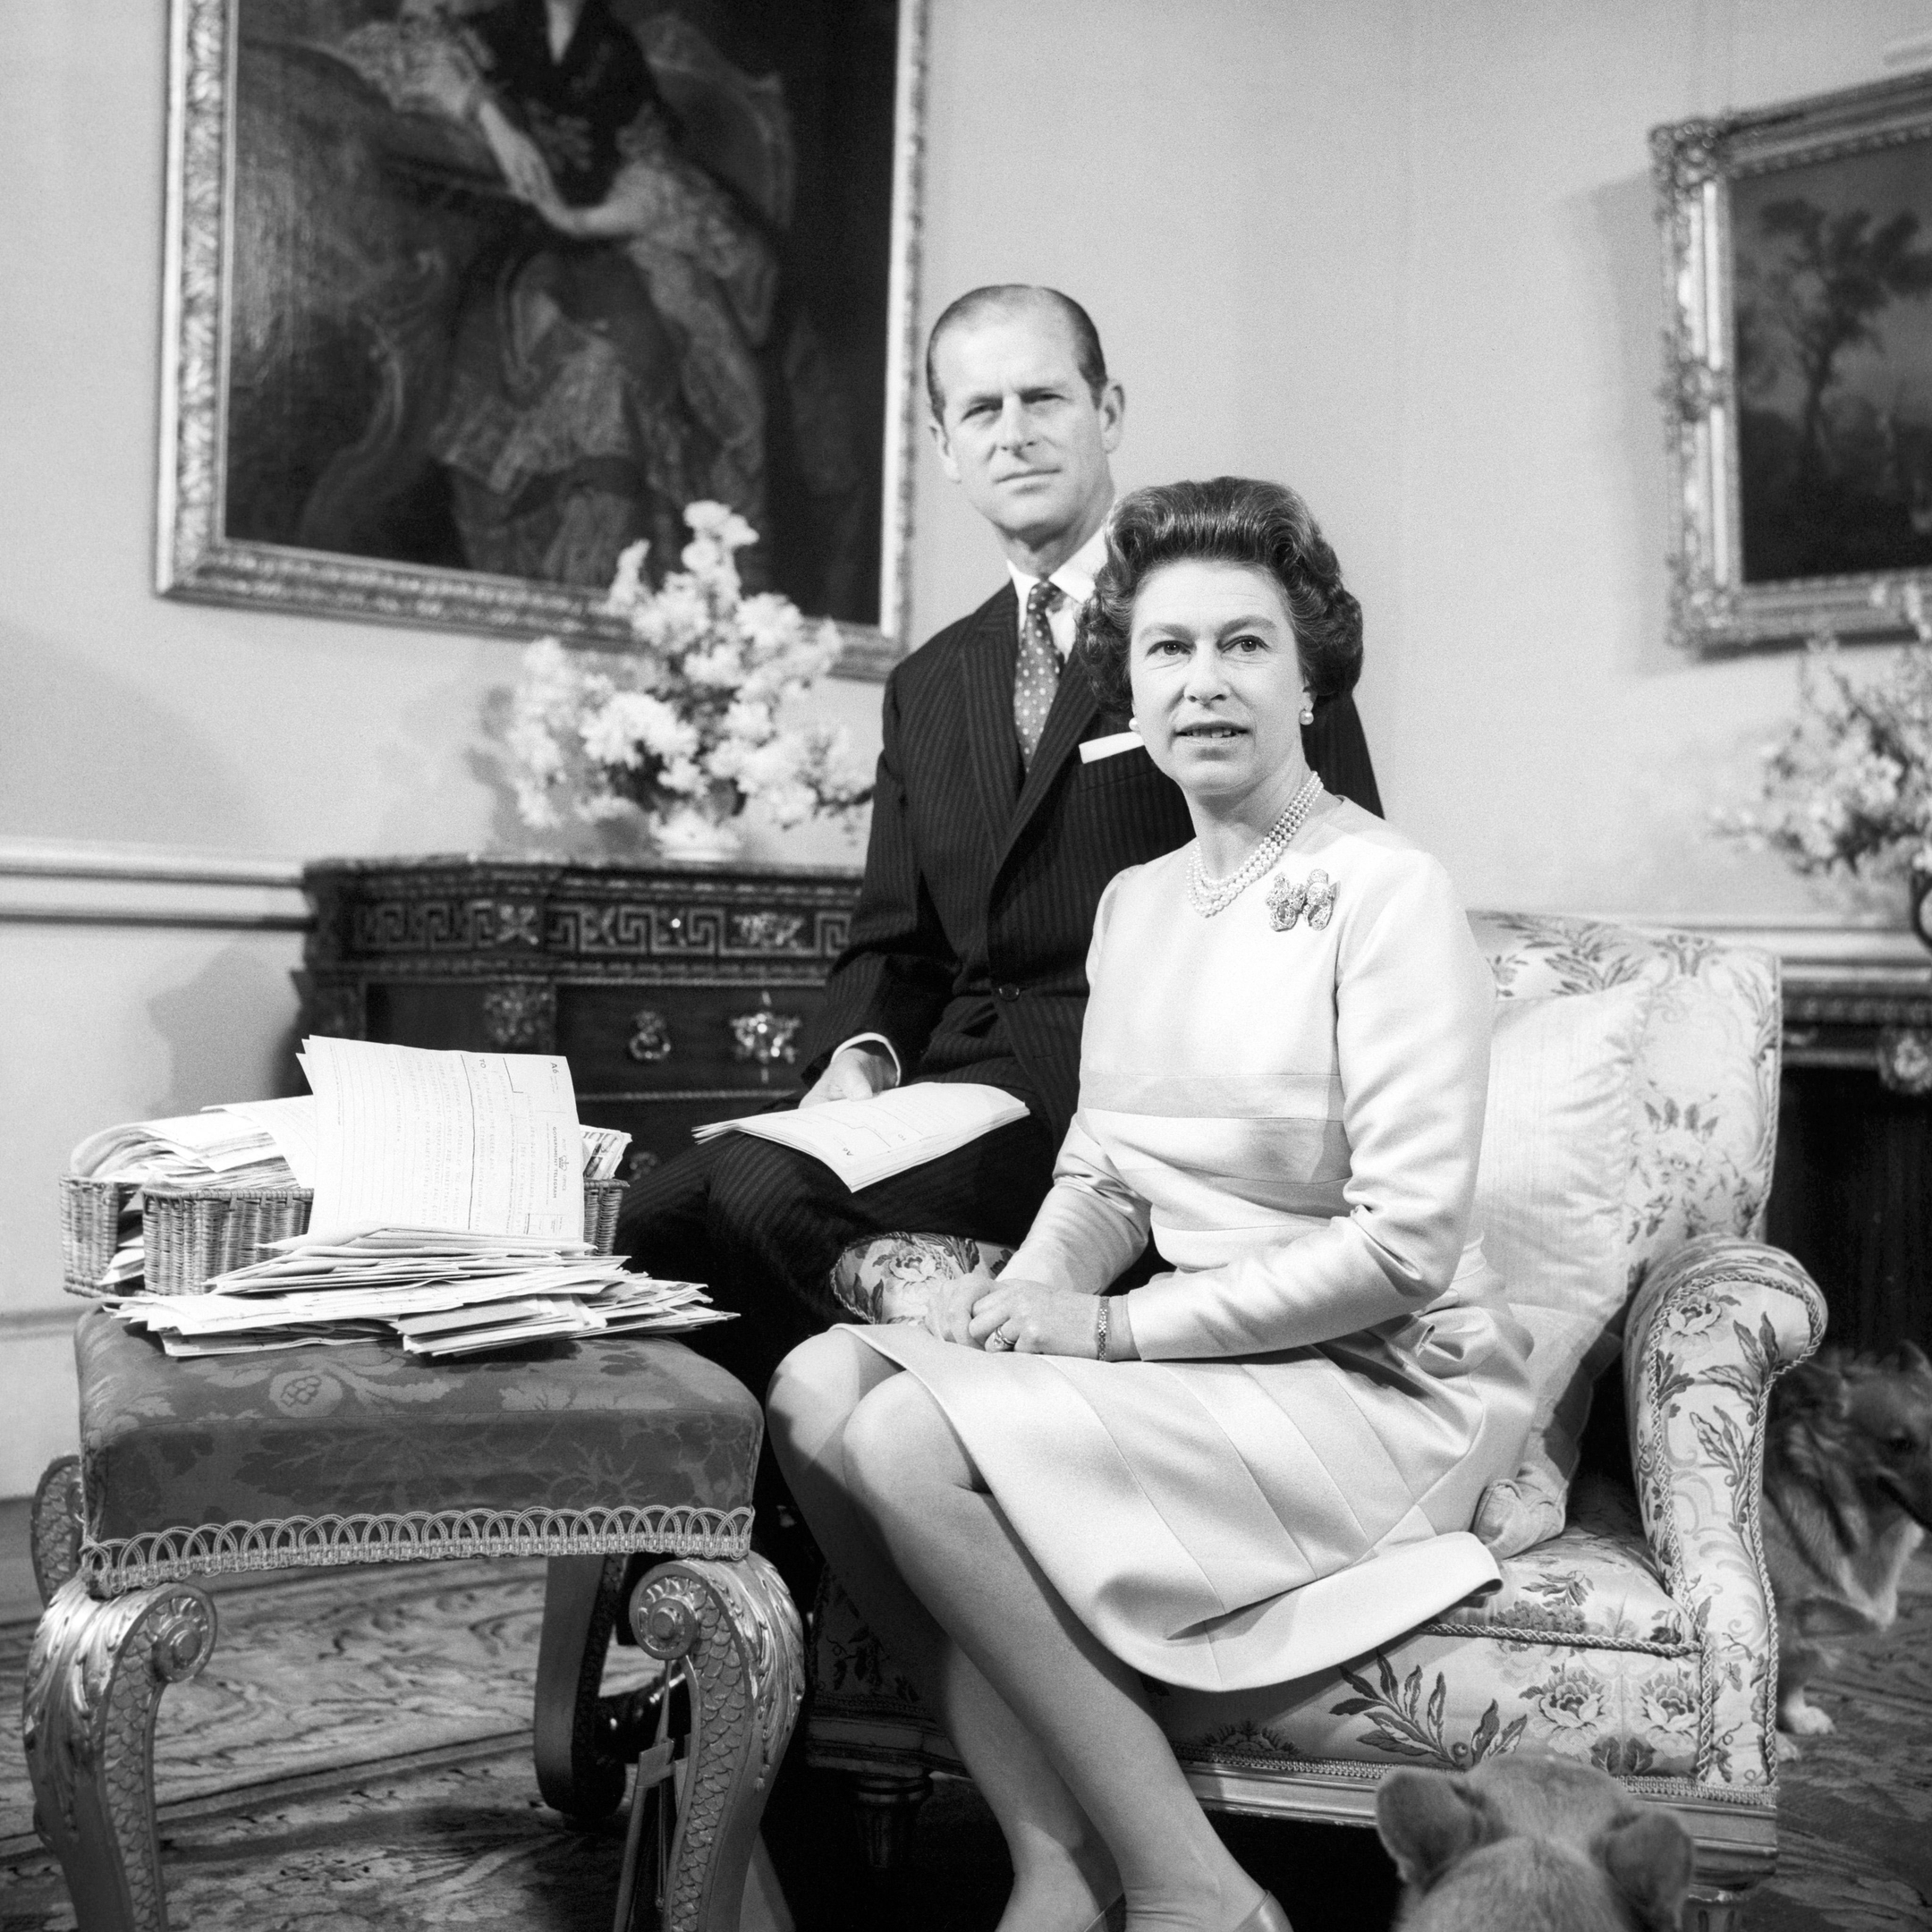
(1109, 747)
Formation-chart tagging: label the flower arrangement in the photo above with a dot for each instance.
(681, 730)
(1848, 788)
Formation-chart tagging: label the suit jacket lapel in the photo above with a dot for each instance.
(1073, 708)
(987, 657)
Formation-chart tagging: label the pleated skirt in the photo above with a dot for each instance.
(1226, 1524)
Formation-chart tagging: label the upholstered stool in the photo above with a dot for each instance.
(584, 1452)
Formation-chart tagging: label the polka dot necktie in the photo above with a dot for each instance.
(1037, 676)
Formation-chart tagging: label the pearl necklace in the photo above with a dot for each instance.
(1208, 896)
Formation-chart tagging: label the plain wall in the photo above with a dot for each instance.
(1398, 253)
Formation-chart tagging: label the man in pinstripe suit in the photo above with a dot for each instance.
(1006, 799)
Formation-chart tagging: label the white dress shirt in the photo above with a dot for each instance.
(1076, 578)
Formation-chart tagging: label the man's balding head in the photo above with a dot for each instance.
(1011, 298)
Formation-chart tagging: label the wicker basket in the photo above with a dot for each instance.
(190, 1233)
(90, 1219)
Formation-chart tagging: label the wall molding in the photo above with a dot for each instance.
(30, 1323)
(63, 882)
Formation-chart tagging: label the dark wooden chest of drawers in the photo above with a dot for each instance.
(678, 994)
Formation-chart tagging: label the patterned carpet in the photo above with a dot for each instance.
(357, 1756)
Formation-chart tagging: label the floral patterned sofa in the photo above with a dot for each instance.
(1640, 1638)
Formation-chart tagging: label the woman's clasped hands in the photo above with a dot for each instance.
(1026, 1317)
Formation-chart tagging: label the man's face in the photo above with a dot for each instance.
(1022, 435)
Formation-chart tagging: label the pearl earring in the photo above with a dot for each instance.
(1308, 708)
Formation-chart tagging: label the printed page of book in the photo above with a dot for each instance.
(863, 1142)
(485, 1143)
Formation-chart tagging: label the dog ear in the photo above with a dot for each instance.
(1648, 1859)
(1909, 1359)
(1426, 1821)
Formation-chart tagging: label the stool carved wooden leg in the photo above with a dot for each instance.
(94, 1678)
(56, 1521)
(735, 1627)
(580, 1769)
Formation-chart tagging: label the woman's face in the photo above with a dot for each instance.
(1217, 685)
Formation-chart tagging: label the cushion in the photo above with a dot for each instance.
(1556, 1153)
(1581, 1652)
(1705, 1122)
(249, 1462)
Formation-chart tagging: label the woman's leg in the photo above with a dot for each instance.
(1087, 1710)
(1063, 1873)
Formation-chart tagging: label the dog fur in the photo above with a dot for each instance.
(1529, 1842)
(1848, 1498)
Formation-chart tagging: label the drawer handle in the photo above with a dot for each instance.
(765, 1037)
(652, 1039)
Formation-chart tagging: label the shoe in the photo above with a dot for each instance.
(1266, 1917)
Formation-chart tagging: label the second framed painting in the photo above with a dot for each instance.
(466, 296)
(1798, 255)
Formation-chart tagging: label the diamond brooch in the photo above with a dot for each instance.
(1287, 902)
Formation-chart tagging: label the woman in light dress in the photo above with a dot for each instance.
(1264, 1461)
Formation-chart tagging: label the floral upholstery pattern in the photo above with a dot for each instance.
(1708, 1334)
(864, 1275)
(205, 1464)
(1581, 1651)
(1705, 1121)
(1640, 1638)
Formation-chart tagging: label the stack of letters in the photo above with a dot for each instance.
(448, 1209)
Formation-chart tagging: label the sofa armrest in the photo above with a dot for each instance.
(1711, 1329)
(888, 1277)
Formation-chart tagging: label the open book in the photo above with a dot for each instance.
(864, 1141)
(447, 1186)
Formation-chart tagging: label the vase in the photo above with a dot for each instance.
(690, 834)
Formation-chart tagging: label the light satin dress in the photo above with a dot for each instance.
(1329, 1377)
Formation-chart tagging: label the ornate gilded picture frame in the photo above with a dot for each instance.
(453, 314)
(1798, 265)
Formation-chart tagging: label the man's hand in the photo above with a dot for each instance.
(1037, 1318)
(855, 1074)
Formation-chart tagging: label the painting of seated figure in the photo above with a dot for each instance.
(493, 289)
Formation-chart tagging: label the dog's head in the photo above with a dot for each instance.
(1862, 1423)
(1889, 1405)
(1532, 1840)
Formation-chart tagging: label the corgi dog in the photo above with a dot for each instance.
(1527, 1842)
(1847, 1499)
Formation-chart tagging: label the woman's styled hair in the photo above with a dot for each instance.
(1227, 520)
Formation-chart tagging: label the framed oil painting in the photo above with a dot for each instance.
(1798, 253)
(465, 296)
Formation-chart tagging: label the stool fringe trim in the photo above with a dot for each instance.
(420, 1536)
